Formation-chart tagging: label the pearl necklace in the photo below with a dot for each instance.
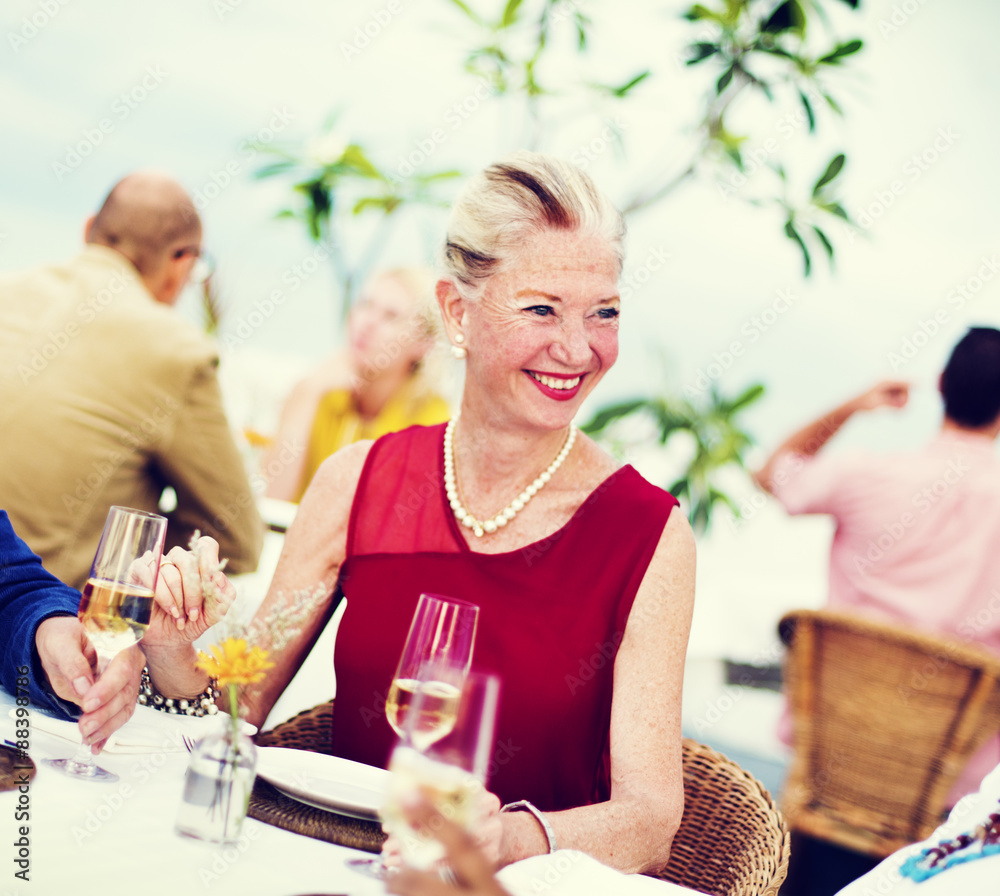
(481, 527)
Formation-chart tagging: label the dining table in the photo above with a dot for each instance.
(68, 836)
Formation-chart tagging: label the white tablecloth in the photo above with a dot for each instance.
(93, 839)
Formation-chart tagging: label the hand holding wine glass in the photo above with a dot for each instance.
(117, 602)
(450, 774)
(423, 699)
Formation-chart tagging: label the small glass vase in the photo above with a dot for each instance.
(217, 786)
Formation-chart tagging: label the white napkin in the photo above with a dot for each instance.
(148, 731)
(568, 872)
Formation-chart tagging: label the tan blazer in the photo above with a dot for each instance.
(108, 397)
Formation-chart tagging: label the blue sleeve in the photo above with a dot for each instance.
(28, 595)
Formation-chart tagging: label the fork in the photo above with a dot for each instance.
(188, 742)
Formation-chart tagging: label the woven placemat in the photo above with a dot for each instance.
(14, 765)
(269, 805)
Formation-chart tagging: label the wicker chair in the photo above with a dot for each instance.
(731, 842)
(884, 720)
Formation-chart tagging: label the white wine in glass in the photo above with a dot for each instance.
(438, 706)
(117, 603)
(435, 660)
(423, 700)
(114, 616)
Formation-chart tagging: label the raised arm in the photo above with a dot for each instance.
(812, 437)
(315, 548)
(309, 564)
(632, 830)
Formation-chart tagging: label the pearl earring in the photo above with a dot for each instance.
(460, 353)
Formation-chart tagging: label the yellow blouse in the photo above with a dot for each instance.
(337, 422)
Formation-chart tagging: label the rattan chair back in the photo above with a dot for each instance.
(884, 720)
(732, 840)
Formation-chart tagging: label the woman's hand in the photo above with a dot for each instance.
(192, 594)
(471, 867)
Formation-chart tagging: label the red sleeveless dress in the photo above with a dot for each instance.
(552, 615)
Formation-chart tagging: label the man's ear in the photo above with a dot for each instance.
(88, 228)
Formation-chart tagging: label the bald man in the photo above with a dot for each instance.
(108, 397)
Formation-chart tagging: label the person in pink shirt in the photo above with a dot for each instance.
(917, 537)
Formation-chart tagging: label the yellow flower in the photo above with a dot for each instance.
(234, 663)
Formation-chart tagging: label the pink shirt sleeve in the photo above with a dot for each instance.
(811, 484)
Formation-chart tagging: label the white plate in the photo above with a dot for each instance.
(326, 782)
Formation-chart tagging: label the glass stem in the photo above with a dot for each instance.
(83, 760)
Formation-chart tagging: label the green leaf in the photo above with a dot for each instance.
(679, 488)
(698, 12)
(312, 220)
(388, 204)
(765, 88)
(628, 85)
(746, 398)
(437, 175)
(793, 234)
(809, 111)
(833, 104)
(725, 78)
(701, 51)
(510, 13)
(788, 16)
(832, 170)
(775, 50)
(609, 414)
(822, 237)
(835, 208)
(582, 22)
(840, 51)
(355, 157)
(274, 168)
(716, 497)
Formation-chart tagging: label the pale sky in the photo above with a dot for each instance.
(184, 86)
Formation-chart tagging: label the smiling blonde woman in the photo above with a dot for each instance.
(584, 572)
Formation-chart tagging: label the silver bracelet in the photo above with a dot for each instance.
(524, 805)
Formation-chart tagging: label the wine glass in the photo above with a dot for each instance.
(117, 603)
(423, 700)
(451, 773)
(435, 660)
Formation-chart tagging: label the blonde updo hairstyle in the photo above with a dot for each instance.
(501, 209)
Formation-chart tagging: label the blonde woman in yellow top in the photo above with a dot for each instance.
(377, 384)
